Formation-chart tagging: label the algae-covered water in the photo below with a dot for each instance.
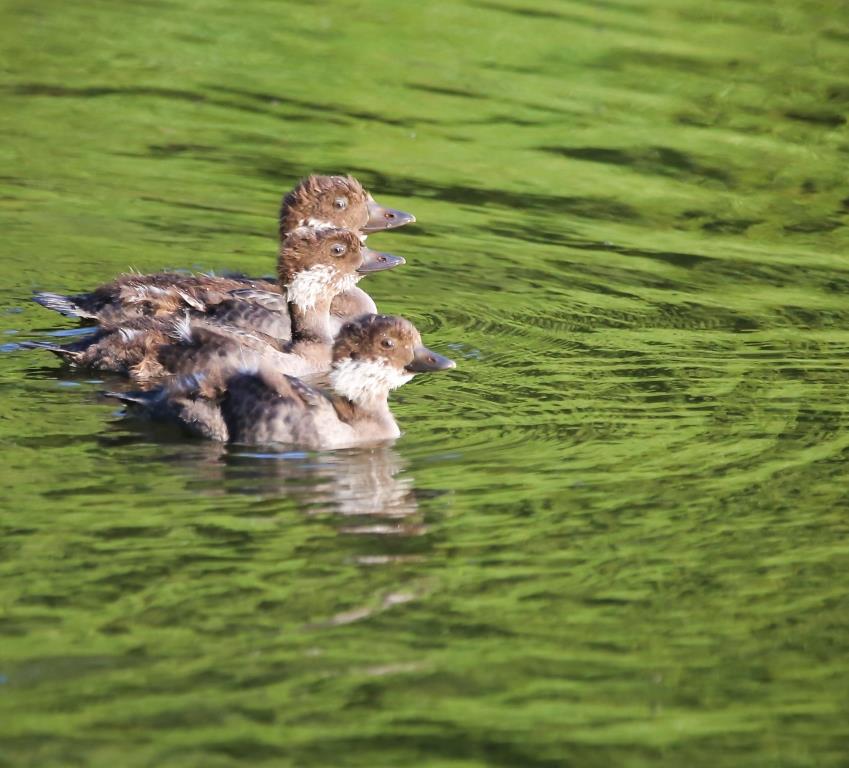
(616, 535)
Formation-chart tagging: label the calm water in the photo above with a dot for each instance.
(617, 535)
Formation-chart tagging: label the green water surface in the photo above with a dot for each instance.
(616, 535)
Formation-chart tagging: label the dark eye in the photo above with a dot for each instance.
(338, 249)
(341, 203)
(387, 343)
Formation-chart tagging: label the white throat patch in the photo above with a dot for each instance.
(319, 281)
(305, 288)
(366, 381)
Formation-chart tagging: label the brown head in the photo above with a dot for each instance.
(320, 263)
(338, 201)
(376, 353)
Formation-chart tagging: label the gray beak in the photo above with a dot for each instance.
(385, 218)
(425, 360)
(375, 261)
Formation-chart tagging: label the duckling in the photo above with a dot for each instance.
(372, 355)
(337, 201)
(314, 266)
(317, 201)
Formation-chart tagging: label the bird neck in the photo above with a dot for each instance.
(311, 323)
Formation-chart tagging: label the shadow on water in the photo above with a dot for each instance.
(664, 161)
(260, 103)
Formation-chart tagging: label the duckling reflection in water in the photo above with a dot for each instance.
(371, 356)
(371, 488)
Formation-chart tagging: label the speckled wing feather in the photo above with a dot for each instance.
(259, 311)
(269, 408)
(117, 350)
(268, 296)
(121, 350)
(157, 295)
(198, 347)
(133, 296)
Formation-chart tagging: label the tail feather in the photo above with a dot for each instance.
(142, 398)
(62, 304)
(69, 355)
(151, 399)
